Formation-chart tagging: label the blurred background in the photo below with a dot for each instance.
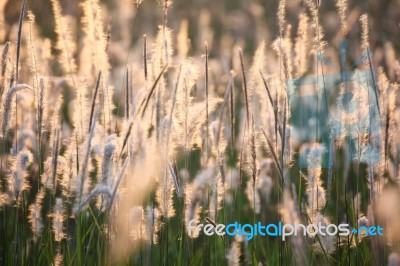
(224, 24)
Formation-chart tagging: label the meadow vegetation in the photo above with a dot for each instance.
(113, 137)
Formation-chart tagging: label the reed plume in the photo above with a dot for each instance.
(7, 109)
(65, 44)
(58, 217)
(4, 63)
(281, 17)
(18, 178)
(341, 5)
(35, 215)
(234, 253)
(301, 45)
(95, 58)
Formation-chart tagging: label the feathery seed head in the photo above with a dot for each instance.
(342, 8)
(17, 180)
(58, 217)
(35, 215)
(281, 16)
(364, 32)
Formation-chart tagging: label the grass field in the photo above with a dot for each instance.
(128, 125)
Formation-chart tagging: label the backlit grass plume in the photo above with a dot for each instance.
(18, 178)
